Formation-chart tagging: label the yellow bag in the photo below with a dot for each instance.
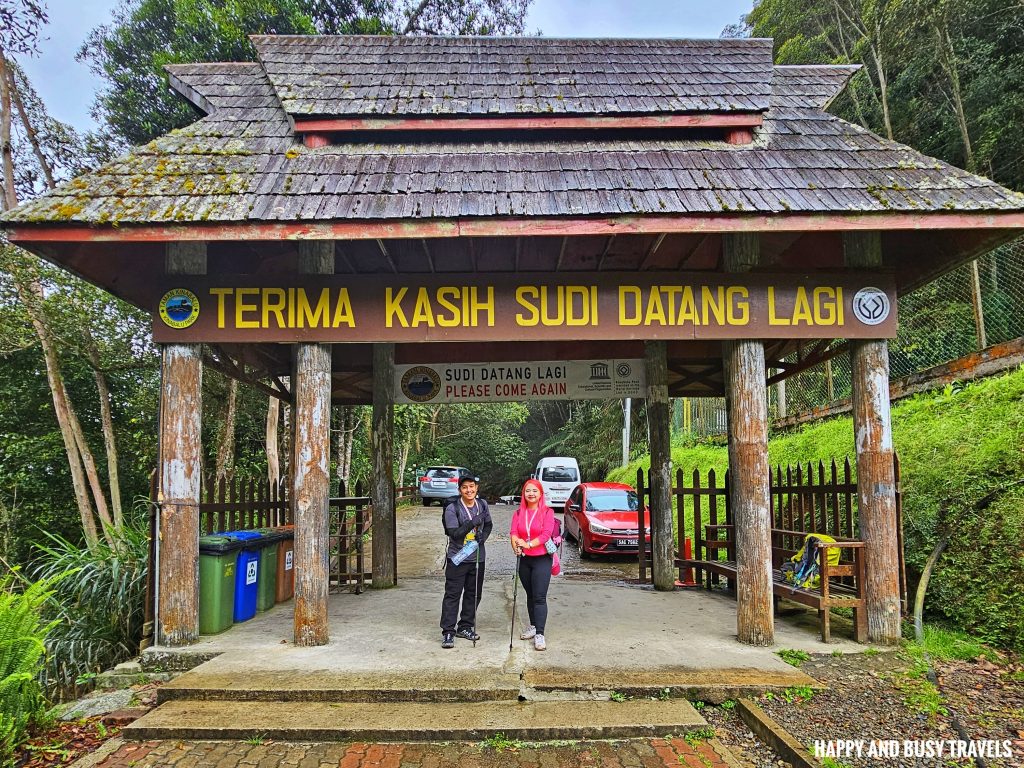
(805, 571)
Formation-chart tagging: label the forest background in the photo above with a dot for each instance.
(79, 374)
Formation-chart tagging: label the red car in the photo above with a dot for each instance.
(602, 518)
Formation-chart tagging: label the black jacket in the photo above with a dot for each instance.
(457, 524)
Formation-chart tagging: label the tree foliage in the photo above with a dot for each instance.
(944, 76)
(130, 53)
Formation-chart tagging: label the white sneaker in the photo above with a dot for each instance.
(538, 643)
(528, 632)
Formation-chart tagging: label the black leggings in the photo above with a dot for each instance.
(535, 574)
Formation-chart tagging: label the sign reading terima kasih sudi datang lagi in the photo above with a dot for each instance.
(524, 307)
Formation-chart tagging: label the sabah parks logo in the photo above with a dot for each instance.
(871, 306)
(421, 384)
(179, 308)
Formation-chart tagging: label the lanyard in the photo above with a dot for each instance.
(529, 523)
(468, 513)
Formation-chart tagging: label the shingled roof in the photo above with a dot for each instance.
(242, 162)
(401, 76)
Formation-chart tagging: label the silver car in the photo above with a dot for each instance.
(441, 483)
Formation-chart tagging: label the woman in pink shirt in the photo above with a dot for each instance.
(532, 527)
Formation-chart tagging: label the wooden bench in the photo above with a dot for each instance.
(841, 586)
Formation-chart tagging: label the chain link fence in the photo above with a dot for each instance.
(937, 323)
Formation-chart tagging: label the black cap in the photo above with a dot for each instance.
(465, 478)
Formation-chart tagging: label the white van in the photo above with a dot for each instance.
(558, 475)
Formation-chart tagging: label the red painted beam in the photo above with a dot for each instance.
(514, 227)
(748, 120)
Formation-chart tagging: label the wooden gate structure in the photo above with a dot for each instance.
(349, 207)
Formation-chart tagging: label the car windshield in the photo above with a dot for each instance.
(611, 500)
(559, 474)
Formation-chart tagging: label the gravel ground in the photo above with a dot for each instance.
(870, 697)
(744, 745)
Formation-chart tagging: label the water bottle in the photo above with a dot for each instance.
(465, 553)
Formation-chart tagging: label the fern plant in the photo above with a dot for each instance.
(100, 611)
(22, 654)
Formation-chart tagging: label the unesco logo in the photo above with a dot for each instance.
(871, 306)
(624, 370)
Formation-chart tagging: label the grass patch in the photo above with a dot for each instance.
(797, 694)
(919, 694)
(499, 742)
(618, 696)
(693, 738)
(728, 705)
(792, 656)
(953, 645)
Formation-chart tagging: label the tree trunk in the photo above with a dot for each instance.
(750, 499)
(662, 545)
(107, 422)
(876, 477)
(271, 440)
(10, 196)
(224, 468)
(311, 454)
(382, 438)
(29, 295)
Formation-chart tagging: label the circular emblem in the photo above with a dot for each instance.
(871, 306)
(624, 370)
(421, 384)
(179, 308)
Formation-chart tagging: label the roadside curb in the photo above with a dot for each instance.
(775, 736)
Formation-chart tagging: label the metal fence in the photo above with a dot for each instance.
(968, 309)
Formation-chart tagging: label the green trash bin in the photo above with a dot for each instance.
(217, 557)
(266, 590)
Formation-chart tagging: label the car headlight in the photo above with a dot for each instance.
(597, 528)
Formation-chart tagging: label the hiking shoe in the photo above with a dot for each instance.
(539, 643)
(467, 634)
(448, 640)
(528, 633)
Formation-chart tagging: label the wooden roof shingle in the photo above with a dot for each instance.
(243, 163)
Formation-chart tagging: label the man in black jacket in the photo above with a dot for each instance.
(466, 519)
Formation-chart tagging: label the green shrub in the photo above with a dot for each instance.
(99, 612)
(22, 652)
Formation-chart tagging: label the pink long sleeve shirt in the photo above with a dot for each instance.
(536, 524)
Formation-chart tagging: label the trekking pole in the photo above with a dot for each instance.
(515, 594)
(476, 595)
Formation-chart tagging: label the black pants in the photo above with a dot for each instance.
(461, 582)
(535, 574)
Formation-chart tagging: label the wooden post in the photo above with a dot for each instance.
(662, 556)
(180, 471)
(311, 452)
(750, 497)
(385, 558)
(876, 481)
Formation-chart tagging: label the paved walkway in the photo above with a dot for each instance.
(630, 753)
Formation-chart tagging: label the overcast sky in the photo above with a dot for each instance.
(68, 87)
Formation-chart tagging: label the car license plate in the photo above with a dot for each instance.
(439, 483)
(627, 542)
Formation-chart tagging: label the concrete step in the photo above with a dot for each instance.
(415, 721)
(341, 687)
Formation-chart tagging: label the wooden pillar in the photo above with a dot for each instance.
(876, 474)
(746, 395)
(662, 542)
(385, 558)
(180, 471)
(311, 451)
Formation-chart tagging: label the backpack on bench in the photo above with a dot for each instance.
(804, 569)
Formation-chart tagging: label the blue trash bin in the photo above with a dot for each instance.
(247, 572)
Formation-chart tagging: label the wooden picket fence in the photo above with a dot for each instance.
(242, 504)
